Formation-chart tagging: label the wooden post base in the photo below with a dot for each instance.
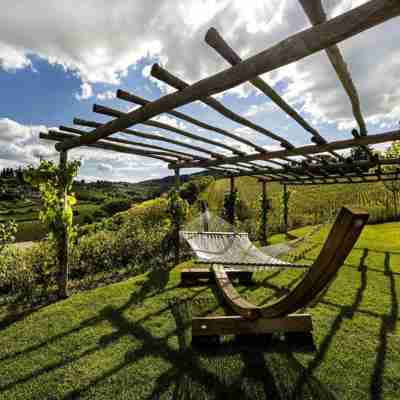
(237, 325)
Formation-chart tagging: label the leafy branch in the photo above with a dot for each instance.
(55, 185)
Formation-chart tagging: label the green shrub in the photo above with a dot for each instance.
(112, 207)
(151, 212)
(138, 239)
(16, 274)
(7, 233)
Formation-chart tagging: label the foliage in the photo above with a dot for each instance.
(231, 200)
(393, 186)
(16, 274)
(151, 212)
(7, 233)
(178, 208)
(393, 152)
(191, 190)
(133, 240)
(55, 184)
(112, 207)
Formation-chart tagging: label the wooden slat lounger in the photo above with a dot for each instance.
(278, 316)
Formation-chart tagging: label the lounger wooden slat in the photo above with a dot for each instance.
(277, 316)
(341, 239)
(232, 297)
(338, 245)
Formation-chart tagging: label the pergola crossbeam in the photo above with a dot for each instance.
(179, 154)
(316, 14)
(308, 149)
(124, 95)
(172, 80)
(151, 136)
(116, 113)
(60, 137)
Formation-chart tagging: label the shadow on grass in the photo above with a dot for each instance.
(224, 372)
(388, 324)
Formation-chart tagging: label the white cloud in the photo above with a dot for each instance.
(20, 146)
(255, 109)
(12, 58)
(86, 92)
(20, 143)
(107, 95)
(100, 40)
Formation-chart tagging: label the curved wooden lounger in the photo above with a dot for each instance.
(342, 237)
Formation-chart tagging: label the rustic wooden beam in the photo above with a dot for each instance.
(176, 153)
(151, 136)
(216, 41)
(177, 226)
(288, 175)
(316, 14)
(378, 179)
(308, 149)
(285, 198)
(115, 113)
(63, 239)
(292, 49)
(264, 211)
(122, 94)
(172, 80)
(59, 137)
(232, 206)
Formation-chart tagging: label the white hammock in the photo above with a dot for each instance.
(230, 248)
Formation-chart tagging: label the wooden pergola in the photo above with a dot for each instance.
(319, 162)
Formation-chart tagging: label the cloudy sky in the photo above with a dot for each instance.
(56, 60)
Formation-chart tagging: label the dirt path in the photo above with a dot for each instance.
(24, 245)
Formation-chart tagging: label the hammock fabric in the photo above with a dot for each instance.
(230, 248)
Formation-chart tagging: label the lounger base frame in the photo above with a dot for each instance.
(237, 325)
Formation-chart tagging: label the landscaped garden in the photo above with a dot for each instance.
(121, 340)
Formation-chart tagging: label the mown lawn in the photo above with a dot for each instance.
(121, 341)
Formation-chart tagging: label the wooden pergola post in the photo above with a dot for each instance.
(63, 244)
(177, 226)
(285, 208)
(264, 212)
(205, 215)
(231, 211)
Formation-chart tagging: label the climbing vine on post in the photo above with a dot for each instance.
(55, 185)
(231, 200)
(263, 206)
(285, 199)
(178, 209)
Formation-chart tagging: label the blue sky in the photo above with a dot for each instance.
(56, 61)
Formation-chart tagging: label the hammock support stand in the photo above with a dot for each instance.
(283, 315)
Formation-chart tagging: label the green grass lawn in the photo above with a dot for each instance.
(121, 341)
